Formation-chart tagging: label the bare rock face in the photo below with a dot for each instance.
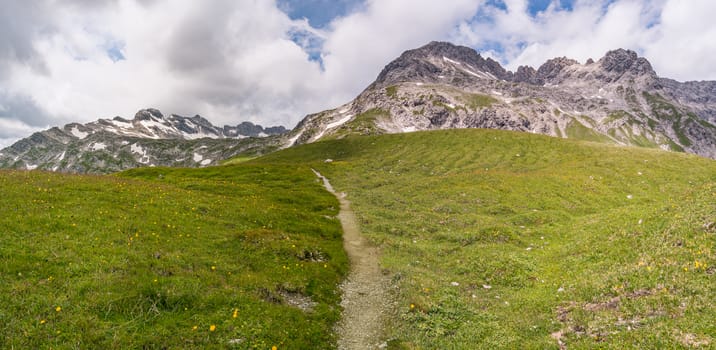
(551, 69)
(617, 99)
(436, 61)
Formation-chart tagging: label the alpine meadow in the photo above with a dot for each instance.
(355, 175)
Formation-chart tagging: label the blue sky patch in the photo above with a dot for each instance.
(318, 12)
(309, 42)
(114, 51)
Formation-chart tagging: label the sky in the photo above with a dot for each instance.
(274, 61)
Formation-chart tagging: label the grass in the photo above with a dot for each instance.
(497, 239)
(507, 240)
(478, 101)
(362, 124)
(238, 160)
(162, 258)
(664, 110)
(391, 91)
(576, 130)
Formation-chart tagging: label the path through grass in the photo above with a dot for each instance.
(506, 240)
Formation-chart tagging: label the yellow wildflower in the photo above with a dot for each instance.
(58, 309)
(212, 328)
(42, 321)
(274, 347)
(194, 328)
(412, 306)
(236, 313)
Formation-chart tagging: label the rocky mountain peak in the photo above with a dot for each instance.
(441, 49)
(551, 69)
(440, 59)
(623, 61)
(148, 114)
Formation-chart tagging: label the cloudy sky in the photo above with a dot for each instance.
(273, 61)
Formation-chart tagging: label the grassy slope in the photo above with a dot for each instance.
(116, 262)
(604, 244)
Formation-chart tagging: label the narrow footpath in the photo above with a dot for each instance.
(365, 291)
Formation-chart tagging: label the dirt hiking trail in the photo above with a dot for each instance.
(366, 299)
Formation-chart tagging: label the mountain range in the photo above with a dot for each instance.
(618, 99)
(150, 139)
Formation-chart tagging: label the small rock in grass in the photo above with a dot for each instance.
(328, 160)
(454, 284)
(486, 286)
(560, 290)
(630, 196)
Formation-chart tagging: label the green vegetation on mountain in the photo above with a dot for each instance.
(156, 258)
(507, 240)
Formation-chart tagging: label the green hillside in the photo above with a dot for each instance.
(169, 259)
(507, 240)
(493, 239)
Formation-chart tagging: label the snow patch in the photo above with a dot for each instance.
(62, 156)
(496, 93)
(451, 61)
(200, 135)
(409, 129)
(333, 125)
(198, 157)
(98, 146)
(419, 84)
(452, 106)
(293, 140)
(31, 167)
(138, 149)
(205, 162)
(79, 134)
(152, 125)
(340, 122)
(121, 125)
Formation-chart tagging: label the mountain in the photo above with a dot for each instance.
(150, 139)
(618, 99)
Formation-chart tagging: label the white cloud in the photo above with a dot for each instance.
(360, 45)
(676, 36)
(235, 60)
(684, 47)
